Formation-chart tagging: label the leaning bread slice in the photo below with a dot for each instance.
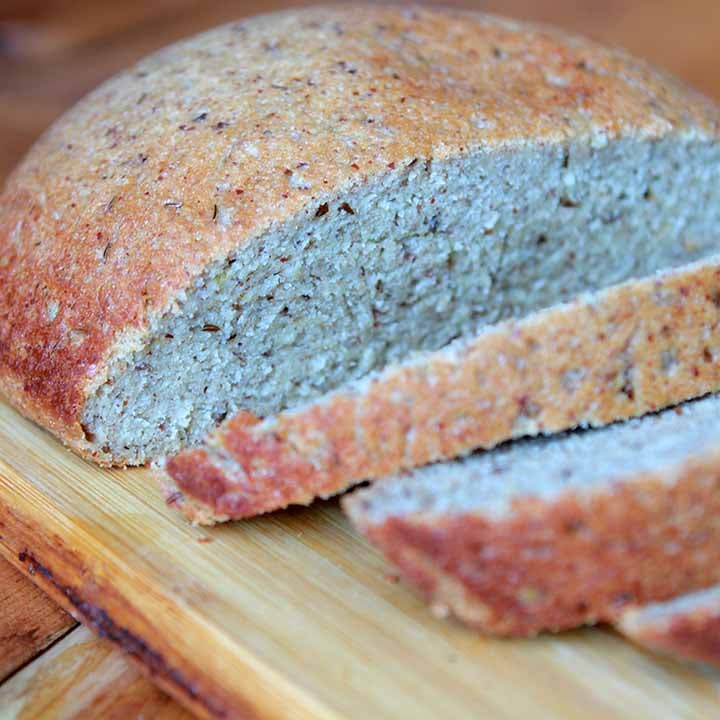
(687, 627)
(618, 353)
(257, 215)
(553, 533)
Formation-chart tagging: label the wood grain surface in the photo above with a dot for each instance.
(29, 621)
(84, 678)
(292, 615)
(289, 616)
(39, 679)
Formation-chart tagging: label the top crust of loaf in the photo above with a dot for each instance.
(176, 162)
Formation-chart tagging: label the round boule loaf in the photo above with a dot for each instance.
(254, 216)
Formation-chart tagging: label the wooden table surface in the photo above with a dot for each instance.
(54, 51)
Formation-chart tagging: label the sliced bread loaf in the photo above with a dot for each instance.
(621, 352)
(687, 627)
(254, 216)
(553, 533)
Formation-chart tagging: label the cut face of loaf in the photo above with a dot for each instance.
(553, 533)
(432, 251)
(618, 353)
(687, 627)
(253, 217)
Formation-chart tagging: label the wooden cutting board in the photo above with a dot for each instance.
(293, 615)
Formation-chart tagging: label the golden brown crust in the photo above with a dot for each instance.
(633, 348)
(116, 209)
(692, 634)
(553, 564)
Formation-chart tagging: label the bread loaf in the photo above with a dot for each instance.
(553, 533)
(251, 218)
(617, 353)
(687, 627)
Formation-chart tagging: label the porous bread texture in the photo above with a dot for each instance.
(617, 353)
(431, 252)
(550, 534)
(581, 462)
(686, 627)
(120, 226)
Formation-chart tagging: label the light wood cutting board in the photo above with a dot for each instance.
(293, 615)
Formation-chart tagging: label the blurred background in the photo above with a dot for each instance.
(53, 51)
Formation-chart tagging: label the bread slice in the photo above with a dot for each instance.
(553, 533)
(621, 352)
(257, 215)
(687, 627)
